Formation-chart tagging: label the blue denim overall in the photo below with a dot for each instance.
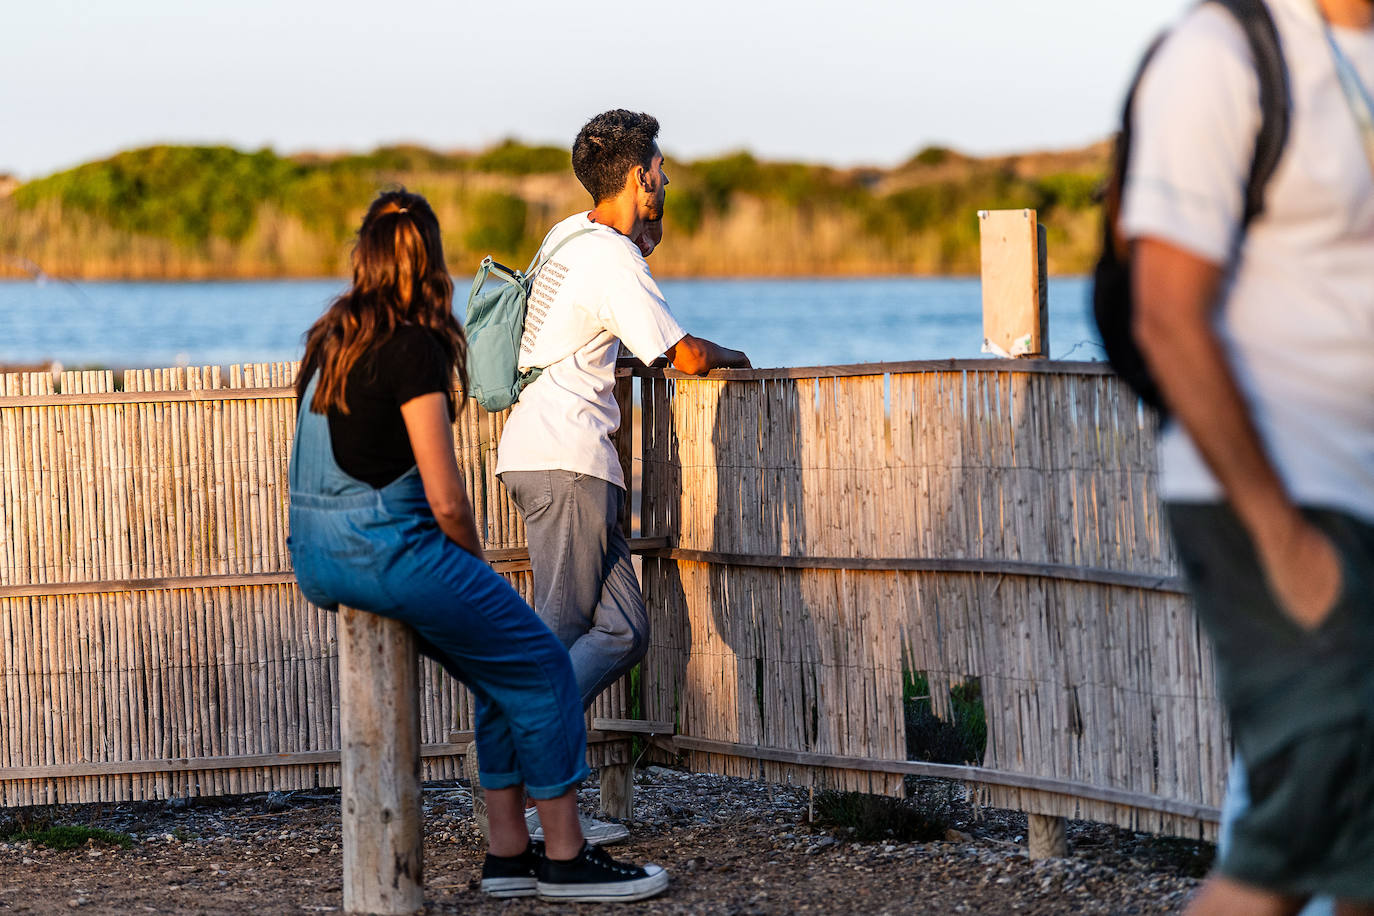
(380, 550)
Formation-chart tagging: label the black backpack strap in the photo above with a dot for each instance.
(1112, 304)
(1262, 35)
(1275, 101)
(1121, 154)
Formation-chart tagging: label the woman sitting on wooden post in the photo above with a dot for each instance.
(380, 521)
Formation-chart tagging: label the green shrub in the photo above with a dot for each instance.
(330, 199)
(514, 158)
(871, 818)
(185, 193)
(930, 738)
(497, 223)
(926, 205)
(931, 155)
(68, 837)
(720, 179)
(1069, 190)
(684, 210)
(403, 159)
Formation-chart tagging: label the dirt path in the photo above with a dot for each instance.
(732, 847)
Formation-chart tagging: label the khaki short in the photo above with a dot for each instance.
(1301, 706)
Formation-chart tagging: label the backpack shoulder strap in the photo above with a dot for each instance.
(535, 264)
(1263, 37)
(1121, 154)
(1275, 102)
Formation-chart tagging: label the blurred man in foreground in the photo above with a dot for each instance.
(1265, 355)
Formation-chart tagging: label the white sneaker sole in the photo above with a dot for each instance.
(509, 887)
(611, 892)
(603, 837)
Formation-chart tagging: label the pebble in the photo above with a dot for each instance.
(725, 833)
(276, 801)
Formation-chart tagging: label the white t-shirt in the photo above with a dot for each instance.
(596, 292)
(1297, 320)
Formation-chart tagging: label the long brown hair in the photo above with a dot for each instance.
(399, 277)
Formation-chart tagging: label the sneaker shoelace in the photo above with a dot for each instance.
(599, 856)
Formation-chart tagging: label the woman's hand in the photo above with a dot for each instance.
(431, 439)
(649, 237)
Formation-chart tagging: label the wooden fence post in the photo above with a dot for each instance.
(618, 780)
(379, 707)
(1045, 837)
(618, 790)
(1016, 323)
(1015, 292)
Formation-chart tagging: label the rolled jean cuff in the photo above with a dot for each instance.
(543, 793)
(498, 780)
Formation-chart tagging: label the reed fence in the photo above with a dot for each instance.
(154, 642)
(821, 535)
(840, 529)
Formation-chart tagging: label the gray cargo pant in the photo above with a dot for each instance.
(585, 586)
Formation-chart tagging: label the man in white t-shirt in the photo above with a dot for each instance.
(1263, 347)
(556, 457)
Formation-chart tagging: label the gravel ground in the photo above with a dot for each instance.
(732, 847)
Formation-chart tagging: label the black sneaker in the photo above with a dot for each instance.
(512, 876)
(594, 877)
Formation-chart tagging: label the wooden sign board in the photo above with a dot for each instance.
(1015, 304)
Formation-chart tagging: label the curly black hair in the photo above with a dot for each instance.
(608, 146)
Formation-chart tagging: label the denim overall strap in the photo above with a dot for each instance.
(314, 472)
(345, 533)
(317, 481)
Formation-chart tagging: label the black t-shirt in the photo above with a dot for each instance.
(370, 441)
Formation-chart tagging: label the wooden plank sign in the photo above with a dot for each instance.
(1015, 312)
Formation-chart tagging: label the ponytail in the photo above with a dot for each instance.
(399, 277)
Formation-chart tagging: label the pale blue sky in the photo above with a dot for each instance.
(856, 81)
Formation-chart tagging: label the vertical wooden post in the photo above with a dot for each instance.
(623, 439)
(1015, 293)
(479, 795)
(1016, 324)
(618, 790)
(1045, 836)
(380, 723)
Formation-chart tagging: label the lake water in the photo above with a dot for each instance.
(791, 322)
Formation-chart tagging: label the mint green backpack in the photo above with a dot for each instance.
(494, 325)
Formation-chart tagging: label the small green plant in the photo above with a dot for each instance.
(931, 738)
(637, 743)
(67, 836)
(870, 818)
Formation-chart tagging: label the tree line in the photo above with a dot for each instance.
(202, 211)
